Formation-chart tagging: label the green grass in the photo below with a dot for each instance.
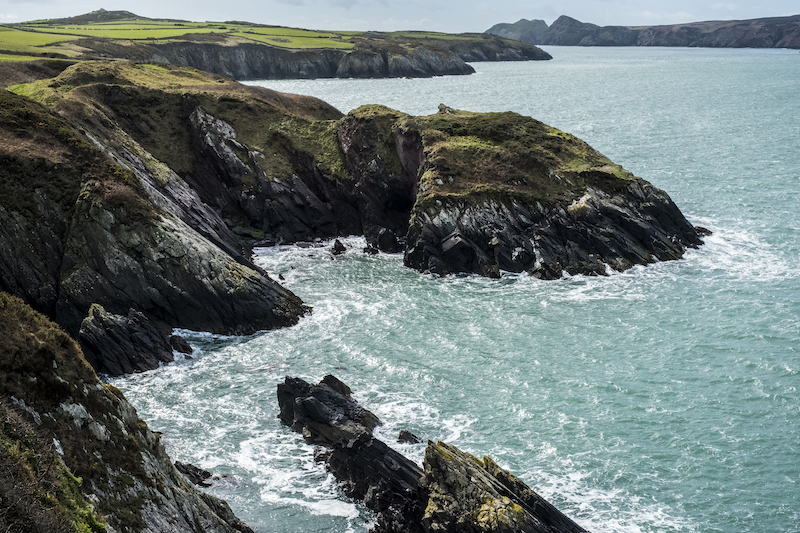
(31, 42)
(293, 40)
(53, 37)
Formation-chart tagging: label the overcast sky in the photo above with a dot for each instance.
(434, 15)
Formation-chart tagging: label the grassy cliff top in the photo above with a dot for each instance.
(474, 156)
(152, 103)
(71, 37)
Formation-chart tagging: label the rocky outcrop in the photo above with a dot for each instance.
(775, 32)
(78, 446)
(455, 492)
(100, 221)
(502, 192)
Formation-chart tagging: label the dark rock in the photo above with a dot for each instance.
(195, 474)
(129, 481)
(338, 248)
(367, 469)
(388, 242)
(180, 345)
(371, 250)
(407, 437)
(467, 494)
(456, 491)
(116, 344)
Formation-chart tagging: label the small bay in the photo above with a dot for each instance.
(664, 398)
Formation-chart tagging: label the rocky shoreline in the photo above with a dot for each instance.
(453, 492)
(130, 198)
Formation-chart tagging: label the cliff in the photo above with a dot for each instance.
(453, 492)
(84, 223)
(375, 56)
(129, 203)
(775, 32)
(243, 50)
(75, 456)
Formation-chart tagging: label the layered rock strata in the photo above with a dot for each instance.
(456, 492)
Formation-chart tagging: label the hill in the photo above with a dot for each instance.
(775, 32)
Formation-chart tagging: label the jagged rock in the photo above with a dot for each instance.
(501, 192)
(180, 345)
(467, 494)
(102, 221)
(91, 431)
(338, 248)
(115, 344)
(367, 469)
(195, 474)
(456, 492)
(407, 437)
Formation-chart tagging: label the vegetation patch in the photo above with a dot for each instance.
(506, 156)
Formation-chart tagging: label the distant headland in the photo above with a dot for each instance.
(774, 32)
(244, 50)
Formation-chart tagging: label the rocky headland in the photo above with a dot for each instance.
(132, 193)
(774, 32)
(452, 492)
(131, 196)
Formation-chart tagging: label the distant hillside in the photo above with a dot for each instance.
(775, 32)
(243, 50)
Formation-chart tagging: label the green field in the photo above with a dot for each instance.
(43, 33)
(20, 42)
(29, 42)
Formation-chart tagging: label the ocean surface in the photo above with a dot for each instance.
(661, 399)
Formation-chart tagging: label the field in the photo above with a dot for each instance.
(47, 37)
(28, 42)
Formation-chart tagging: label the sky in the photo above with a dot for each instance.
(452, 16)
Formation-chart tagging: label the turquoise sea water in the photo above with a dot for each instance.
(660, 399)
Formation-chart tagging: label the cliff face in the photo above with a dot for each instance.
(501, 192)
(379, 57)
(86, 224)
(76, 456)
(254, 61)
(776, 32)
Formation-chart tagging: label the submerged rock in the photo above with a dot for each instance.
(456, 492)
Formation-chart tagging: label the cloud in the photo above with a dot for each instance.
(9, 17)
(292, 2)
(729, 7)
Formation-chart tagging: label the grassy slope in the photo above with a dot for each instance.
(474, 156)
(148, 100)
(56, 37)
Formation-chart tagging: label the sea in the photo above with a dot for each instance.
(660, 399)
